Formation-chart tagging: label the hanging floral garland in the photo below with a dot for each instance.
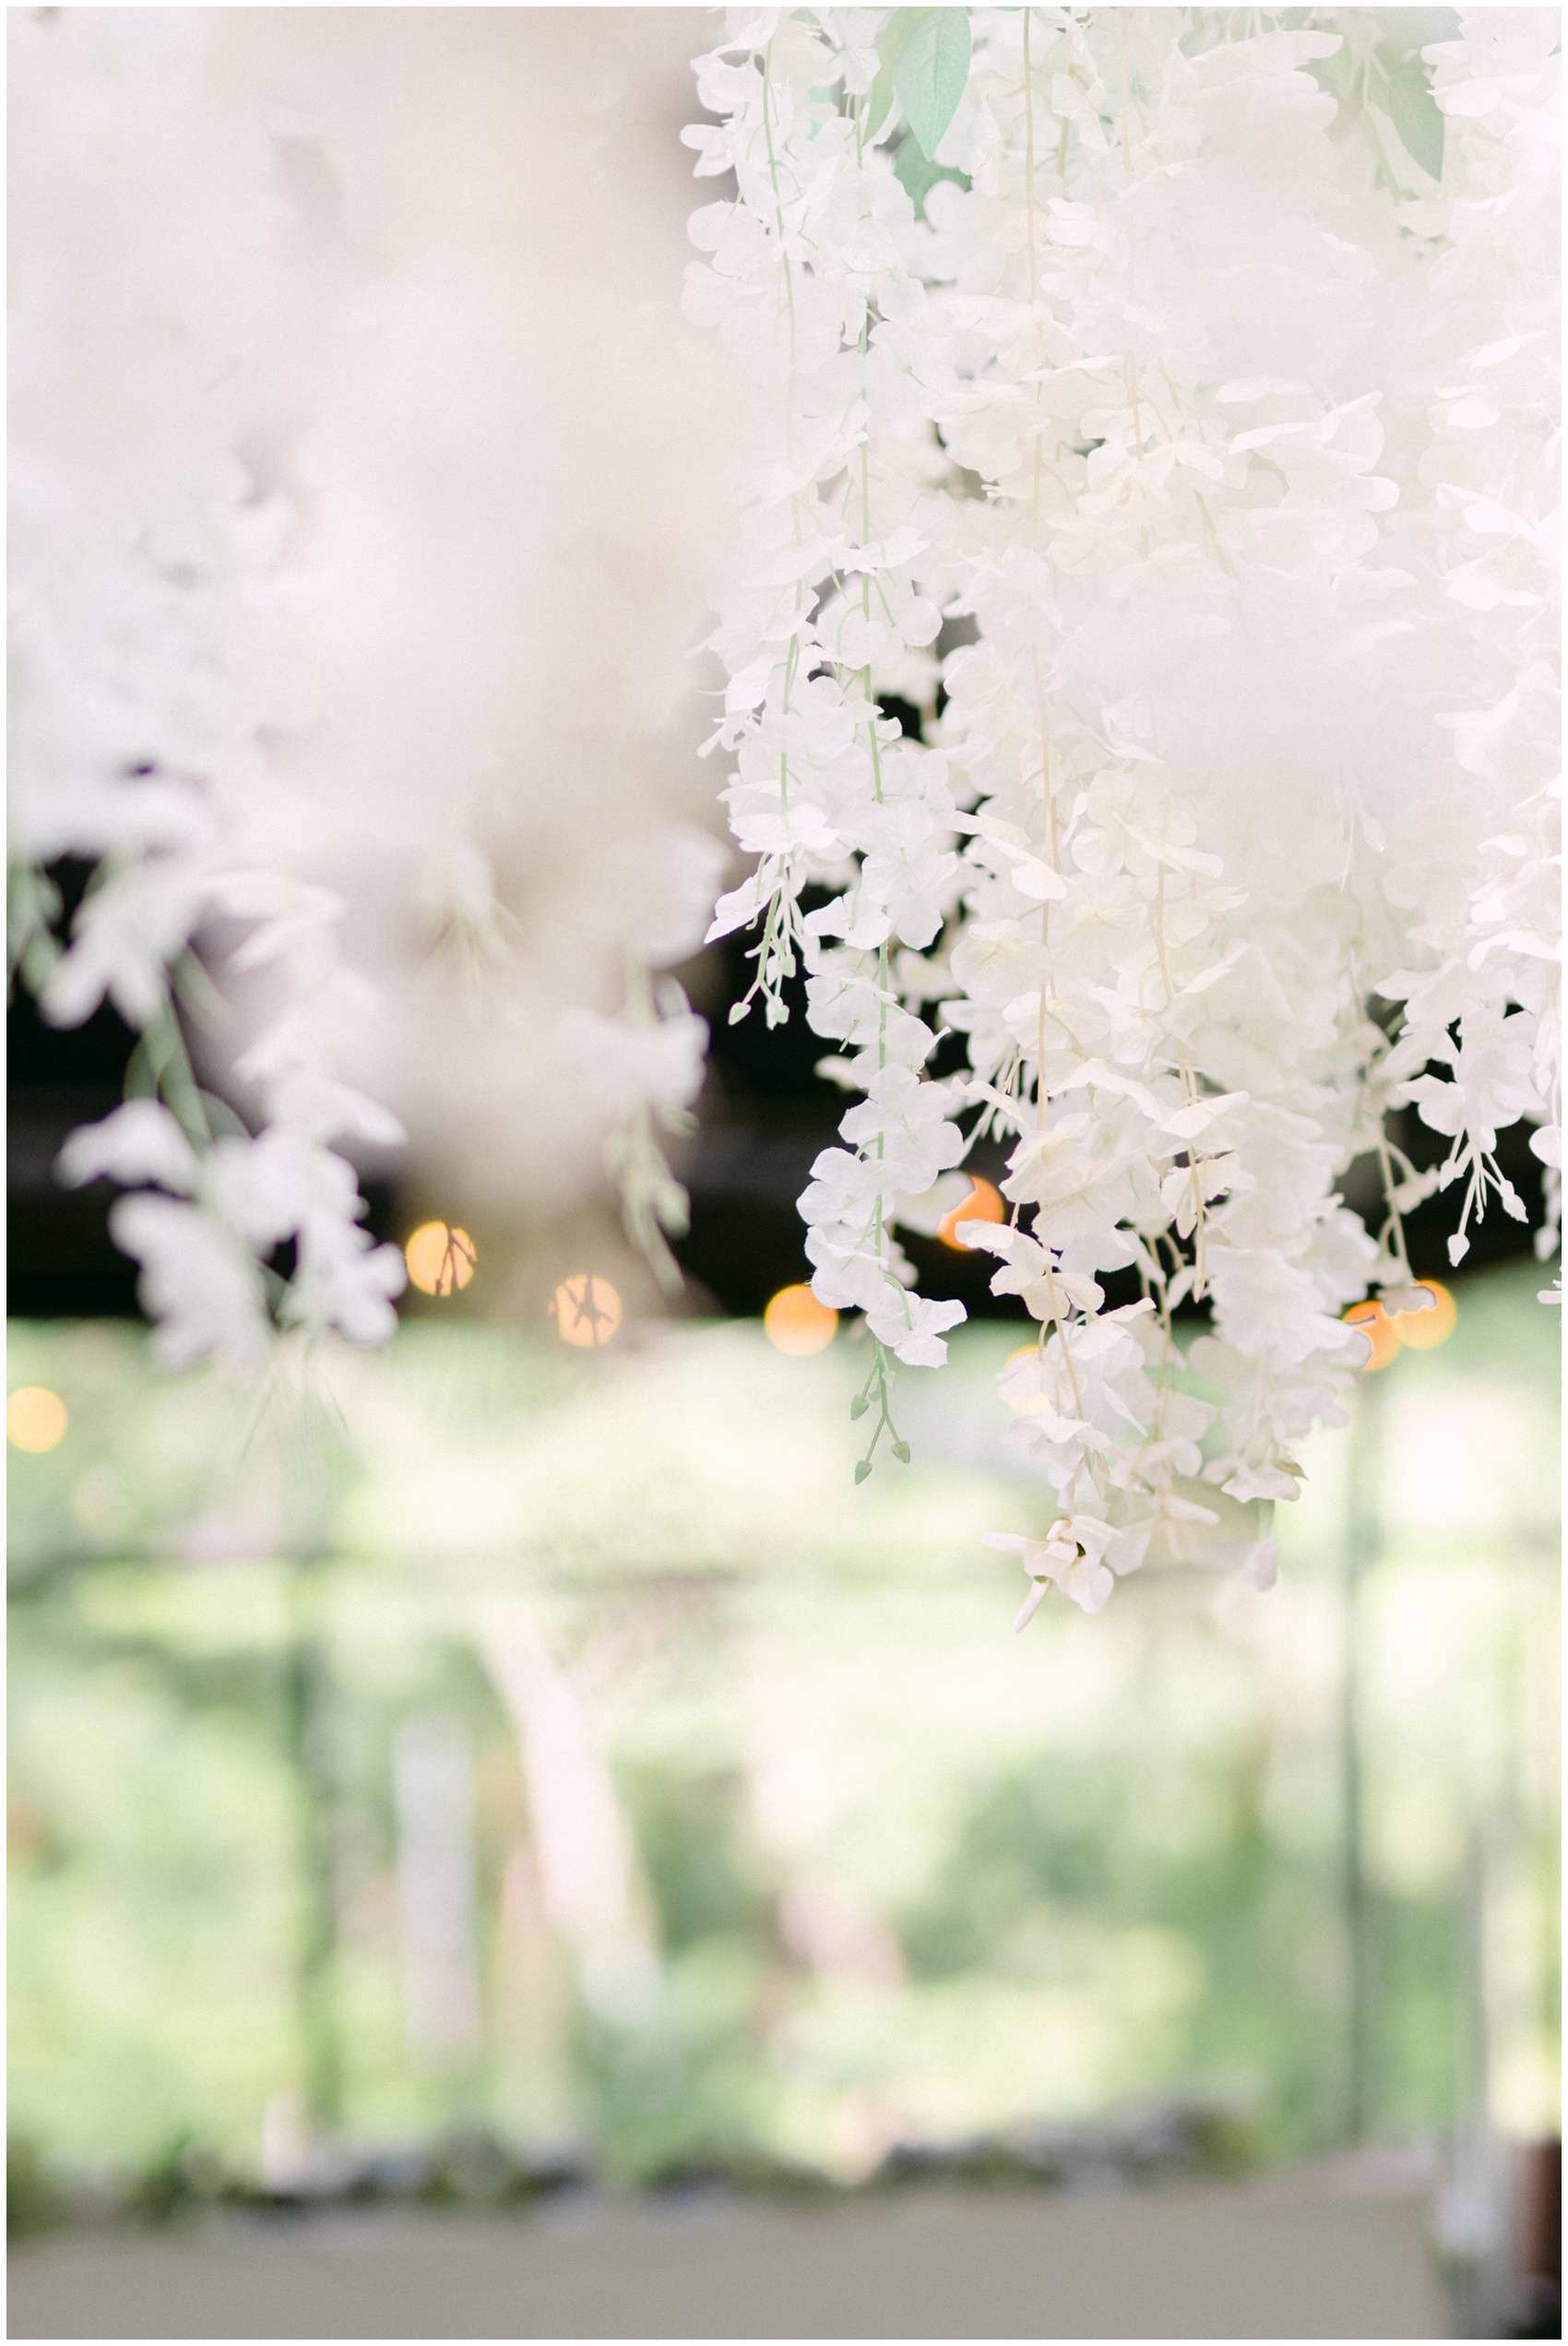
(180, 329)
(151, 647)
(1202, 367)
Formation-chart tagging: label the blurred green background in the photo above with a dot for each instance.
(486, 1736)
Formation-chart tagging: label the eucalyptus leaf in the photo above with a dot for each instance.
(37, 959)
(933, 66)
(1414, 112)
(141, 1074)
(889, 49)
(196, 992)
(221, 1118)
(917, 177)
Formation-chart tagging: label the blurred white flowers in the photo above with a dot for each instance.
(357, 542)
(1162, 405)
(1217, 402)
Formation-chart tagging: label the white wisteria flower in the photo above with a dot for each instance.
(1210, 399)
(386, 809)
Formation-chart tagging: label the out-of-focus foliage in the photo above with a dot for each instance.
(894, 1875)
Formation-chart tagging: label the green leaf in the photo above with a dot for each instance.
(888, 51)
(859, 1406)
(196, 992)
(917, 177)
(221, 1118)
(901, 1452)
(933, 66)
(863, 1470)
(1414, 112)
(141, 1074)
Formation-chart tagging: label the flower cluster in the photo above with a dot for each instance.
(813, 284)
(1150, 364)
(1486, 1005)
(152, 651)
(280, 676)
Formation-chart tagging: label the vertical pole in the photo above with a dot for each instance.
(1472, 2202)
(1475, 2080)
(307, 1694)
(1362, 1540)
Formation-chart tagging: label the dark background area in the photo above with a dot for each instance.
(63, 1263)
(764, 1115)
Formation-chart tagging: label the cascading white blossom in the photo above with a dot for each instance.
(1487, 1005)
(1167, 387)
(506, 543)
(412, 797)
(814, 268)
(151, 651)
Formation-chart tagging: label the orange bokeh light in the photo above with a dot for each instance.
(982, 1204)
(36, 1418)
(796, 1323)
(1422, 1331)
(586, 1309)
(1389, 1330)
(440, 1260)
(1375, 1324)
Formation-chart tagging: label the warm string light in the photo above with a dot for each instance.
(36, 1418)
(1422, 1331)
(1389, 1333)
(982, 1204)
(1372, 1321)
(796, 1323)
(586, 1309)
(441, 1259)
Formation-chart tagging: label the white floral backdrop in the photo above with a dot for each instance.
(365, 516)
(1160, 403)
(1204, 367)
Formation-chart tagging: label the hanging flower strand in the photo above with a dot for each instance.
(225, 501)
(809, 283)
(1083, 335)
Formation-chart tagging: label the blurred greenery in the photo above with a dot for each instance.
(910, 1879)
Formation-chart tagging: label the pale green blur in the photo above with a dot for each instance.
(1031, 1879)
